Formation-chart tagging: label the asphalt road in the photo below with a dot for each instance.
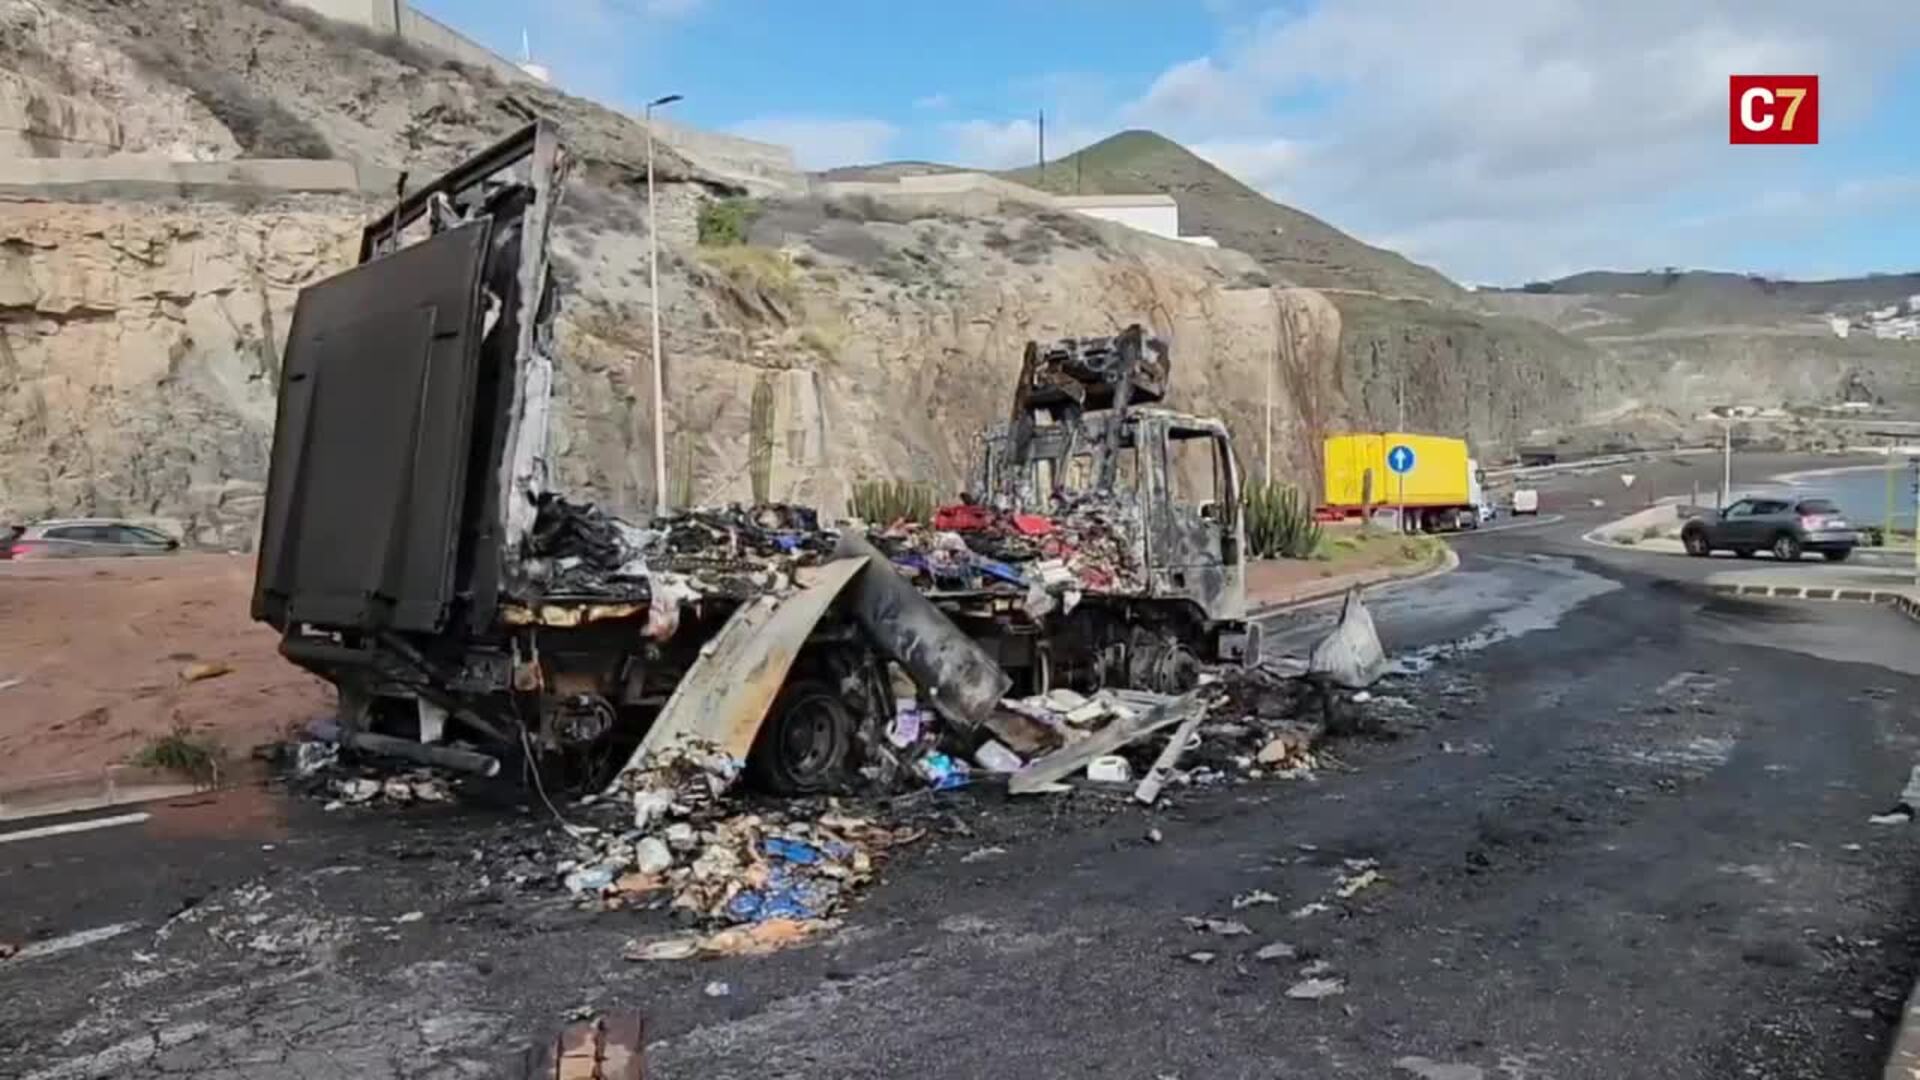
(1621, 830)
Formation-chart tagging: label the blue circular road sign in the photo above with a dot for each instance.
(1400, 458)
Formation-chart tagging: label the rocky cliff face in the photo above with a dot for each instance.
(139, 354)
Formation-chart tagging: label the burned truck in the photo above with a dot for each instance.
(414, 553)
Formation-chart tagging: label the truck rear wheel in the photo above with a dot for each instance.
(806, 746)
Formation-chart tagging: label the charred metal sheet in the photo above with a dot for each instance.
(445, 757)
(370, 448)
(1041, 773)
(567, 614)
(724, 696)
(962, 678)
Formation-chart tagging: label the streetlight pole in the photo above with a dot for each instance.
(1726, 465)
(659, 362)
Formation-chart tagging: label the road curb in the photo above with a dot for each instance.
(1331, 589)
(1900, 601)
(67, 793)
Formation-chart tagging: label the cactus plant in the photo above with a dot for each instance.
(680, 485)
(760, 440)
(884, 502)
(1279, 521)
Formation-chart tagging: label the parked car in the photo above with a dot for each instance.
(1785, 526)
(84, 538)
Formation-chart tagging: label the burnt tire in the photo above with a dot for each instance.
(1695, 541)
(807, 745)
(1786, 547)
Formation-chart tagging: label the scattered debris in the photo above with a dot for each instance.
(8, 684)
(411, 917)
(1202, 957)
(1310, 910)
(1154, 836)
(1429, 1069)
(717, 989)
(982, 854)
(1901, 816)
(1222, 927)
(1257, 896)
(764, 937)
(1318, 967)
(205, 669)
(1109, 769)
(1315, 989)
(1278, 950)
(1351, 885)
(1156, 778)
(7, 949)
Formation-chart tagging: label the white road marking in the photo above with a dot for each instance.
(1550, 519)
(67, 827)
(75, 940)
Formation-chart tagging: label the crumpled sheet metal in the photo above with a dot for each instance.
(724, 697)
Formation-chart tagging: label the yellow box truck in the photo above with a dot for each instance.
(1436, 480)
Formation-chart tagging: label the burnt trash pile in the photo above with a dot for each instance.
(577, 550)
(1087, 545)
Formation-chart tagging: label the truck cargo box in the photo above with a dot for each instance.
(1440, 474)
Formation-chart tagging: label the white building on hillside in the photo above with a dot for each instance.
(1156, 214)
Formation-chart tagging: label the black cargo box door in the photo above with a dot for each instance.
(372, 443)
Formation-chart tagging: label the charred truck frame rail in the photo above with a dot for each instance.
(409, 473)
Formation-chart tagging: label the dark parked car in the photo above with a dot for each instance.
(80, 539)
(1787, 527)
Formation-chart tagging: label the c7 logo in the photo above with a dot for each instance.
(1773, 109)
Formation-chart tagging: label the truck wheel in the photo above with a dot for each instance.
(806, 745)
(1786, 548)
(1696, 544)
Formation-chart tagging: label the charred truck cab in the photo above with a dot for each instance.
(1084, 440)
(413, 553)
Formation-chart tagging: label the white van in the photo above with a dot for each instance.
(1526, 501)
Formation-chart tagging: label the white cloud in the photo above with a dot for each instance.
(1263, 163)
(821, 142)
(1488, 135)
(932, 101)
(991, 145)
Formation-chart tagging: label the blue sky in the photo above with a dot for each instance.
(1499, 140)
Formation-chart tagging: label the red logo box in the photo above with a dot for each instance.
(1773, 109)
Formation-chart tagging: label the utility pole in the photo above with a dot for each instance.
(1043, 149)
(659, 361)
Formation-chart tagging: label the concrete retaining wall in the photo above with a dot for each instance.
(134, 178)
(431, 33)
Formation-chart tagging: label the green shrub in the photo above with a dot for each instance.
(180, 751)
(883, 502)
(724, 222)
(1279, 521)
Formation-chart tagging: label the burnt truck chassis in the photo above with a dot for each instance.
(408, 462)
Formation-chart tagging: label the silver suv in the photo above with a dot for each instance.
(1787, 527)
(82, 538)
